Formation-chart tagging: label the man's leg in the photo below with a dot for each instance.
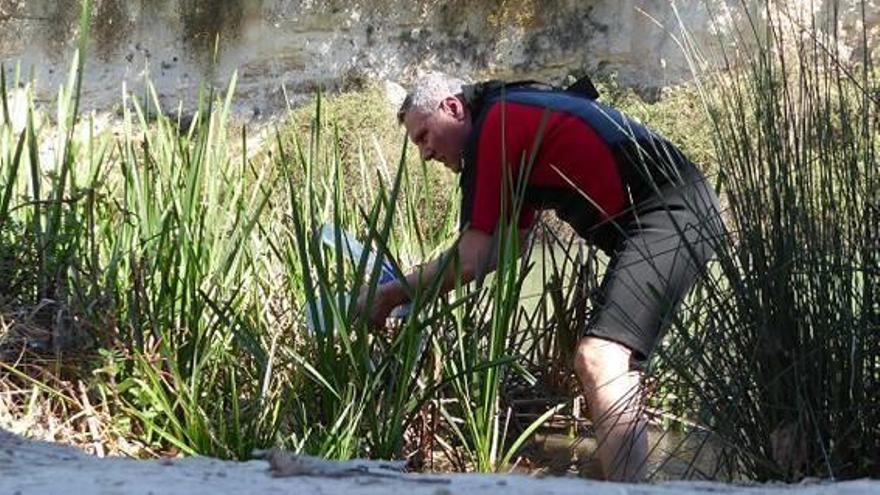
(666, 246)
(614, 397)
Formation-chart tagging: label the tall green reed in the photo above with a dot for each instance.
(340, 359)
(186, 280)
(484, 351)
(146, 247)
(40, 214)
(780, 356)
(350, 368)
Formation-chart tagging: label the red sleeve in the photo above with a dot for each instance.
(502, 145)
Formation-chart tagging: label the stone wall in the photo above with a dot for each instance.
(282, 49)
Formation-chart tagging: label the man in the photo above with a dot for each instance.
(619, 185)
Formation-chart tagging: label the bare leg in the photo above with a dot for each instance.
(613, 394)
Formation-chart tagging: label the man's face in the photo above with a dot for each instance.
(440, 134)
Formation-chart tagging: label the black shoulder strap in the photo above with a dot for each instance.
(475, 94)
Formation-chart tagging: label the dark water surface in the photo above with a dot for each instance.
(673, 456)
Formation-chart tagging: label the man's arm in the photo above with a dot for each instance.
(475, 259)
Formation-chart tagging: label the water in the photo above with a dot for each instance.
(673, 456)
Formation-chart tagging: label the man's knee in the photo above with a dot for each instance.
(598, 361)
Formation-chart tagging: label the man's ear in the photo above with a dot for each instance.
(454, 107)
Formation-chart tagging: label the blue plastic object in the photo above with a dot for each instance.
(330, 234)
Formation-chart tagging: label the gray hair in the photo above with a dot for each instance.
(427, 93)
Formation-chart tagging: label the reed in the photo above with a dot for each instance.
(779, 351)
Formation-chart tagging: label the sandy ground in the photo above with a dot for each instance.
(33, 467)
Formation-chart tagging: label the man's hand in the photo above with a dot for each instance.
(381, 306)
(475, 259)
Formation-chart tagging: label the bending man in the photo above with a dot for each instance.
(620, 186)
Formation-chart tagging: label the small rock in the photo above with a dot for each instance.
(394, 94)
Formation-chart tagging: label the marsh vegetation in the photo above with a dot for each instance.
(155, 281)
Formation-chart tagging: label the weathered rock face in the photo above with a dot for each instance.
(284, 48)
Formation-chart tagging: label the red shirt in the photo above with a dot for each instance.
(570, 167)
